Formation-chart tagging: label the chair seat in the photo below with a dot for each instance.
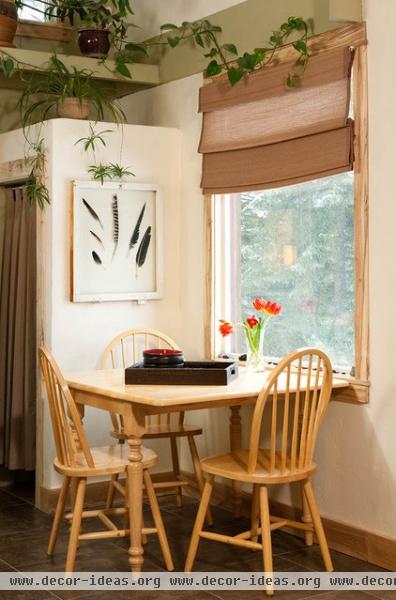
(234, 466)
(108, 460)
(163, 430)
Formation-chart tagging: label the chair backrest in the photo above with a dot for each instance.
(126, 349)
(299, 389)
(66, 422)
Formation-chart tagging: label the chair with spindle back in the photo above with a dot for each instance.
(125, 350)
(293, 404)
(76, 461)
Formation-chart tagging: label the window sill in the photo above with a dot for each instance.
(358, 391)
(45, 31)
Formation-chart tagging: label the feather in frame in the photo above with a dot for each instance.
(92, 212)
(136, 232)
(141, 254)
(116, 222)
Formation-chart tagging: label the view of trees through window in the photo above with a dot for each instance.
(297, 248)
(33, 12)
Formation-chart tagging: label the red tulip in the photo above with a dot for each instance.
(252, 321)
(271, 308)
(225, 328)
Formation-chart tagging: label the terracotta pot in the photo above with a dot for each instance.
(94, 43)
(72, 109)
(8, 22)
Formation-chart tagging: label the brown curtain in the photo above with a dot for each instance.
(260, 134)
(18, 334)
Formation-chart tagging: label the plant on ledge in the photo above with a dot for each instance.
(71, 92)
(224, 57)
(102, 23)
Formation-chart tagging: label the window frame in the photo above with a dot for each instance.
(358, 391)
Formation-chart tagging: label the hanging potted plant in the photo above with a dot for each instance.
(8, 22)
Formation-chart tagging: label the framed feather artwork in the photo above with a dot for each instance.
(117, 246)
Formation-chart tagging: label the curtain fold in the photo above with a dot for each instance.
(259, 134)
(18, 301)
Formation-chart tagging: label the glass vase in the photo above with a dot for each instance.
(256, 361)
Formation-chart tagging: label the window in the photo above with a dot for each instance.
(33, 12)
(294, 245)
(304, 245)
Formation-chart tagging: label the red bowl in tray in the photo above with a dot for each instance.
(163, 357)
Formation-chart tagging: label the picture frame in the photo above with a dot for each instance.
(116, 242)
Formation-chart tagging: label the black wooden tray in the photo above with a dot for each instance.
(191, 373)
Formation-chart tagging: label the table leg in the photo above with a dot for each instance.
(236, 442)
(134, 428)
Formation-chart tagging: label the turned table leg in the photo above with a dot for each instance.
(134, 428)
(236, 442)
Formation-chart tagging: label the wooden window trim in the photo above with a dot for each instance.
(57, 32)
(358, 391)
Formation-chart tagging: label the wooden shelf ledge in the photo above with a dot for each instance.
(143, 75)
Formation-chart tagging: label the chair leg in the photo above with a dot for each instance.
(198, 473)
(111, 491)
(306, 518)
(255, 519)
(60, 509)
(76, 524)
(73, 492)
(176, 469)
(199, 521)
(158, 523)
(266, 535)
(317, 521)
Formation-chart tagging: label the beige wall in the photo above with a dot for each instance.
(356, 482)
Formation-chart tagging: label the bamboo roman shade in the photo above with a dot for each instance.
(259, 134)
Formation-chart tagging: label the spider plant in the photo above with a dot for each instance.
(92, 139)
(110, 172)
(55, 86)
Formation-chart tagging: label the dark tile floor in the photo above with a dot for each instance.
(24, 532)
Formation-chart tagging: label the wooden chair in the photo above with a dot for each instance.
(293, 421)
(124, 350)
(76, 461)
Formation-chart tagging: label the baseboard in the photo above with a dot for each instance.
(95, 494)
(348, 539)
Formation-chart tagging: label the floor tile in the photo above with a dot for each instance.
(383, 595)
(24, 533)
(311, 558)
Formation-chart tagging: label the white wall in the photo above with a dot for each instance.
(78, 333)
(356, 482)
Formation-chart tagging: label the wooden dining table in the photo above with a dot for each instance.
(106, 390)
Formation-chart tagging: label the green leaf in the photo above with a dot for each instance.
(290, 81)
(300, 46)
(132, 47)
(168, 26)
(123, 70)
(215, 28)
(213, 52)
(213, 69)
(249, 61)
(8, 67)
(173, 41)
(199, 40)
(235, 75)
(231, 48)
